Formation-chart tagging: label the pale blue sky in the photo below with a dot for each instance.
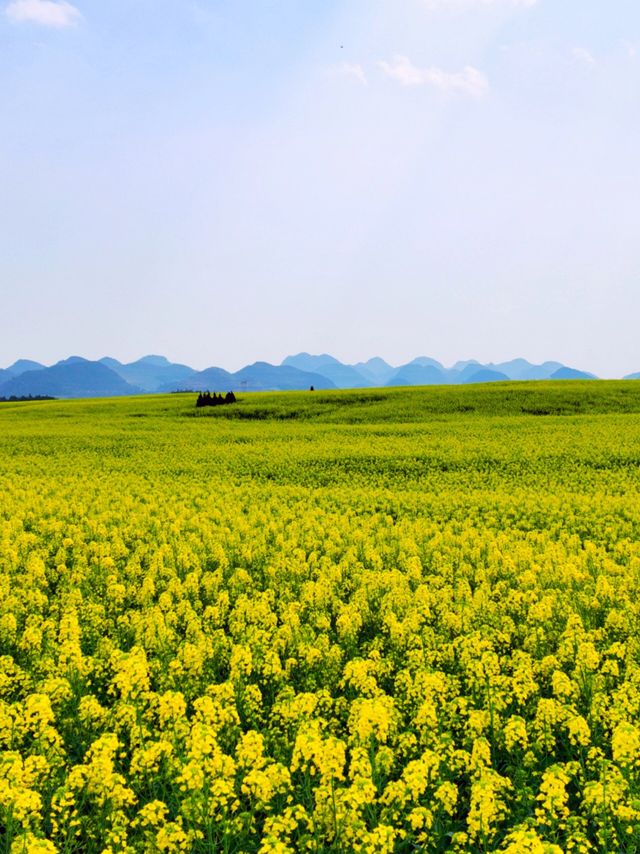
(229, 181)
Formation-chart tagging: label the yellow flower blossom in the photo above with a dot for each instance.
(625, 745)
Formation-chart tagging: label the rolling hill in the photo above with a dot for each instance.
(342, 376)
(261, 376)
(486, 375)
(417, 374)
(376, 370)
(150, 373)
(79, 377)
(73, 377)
(564, 373)
(211, 379)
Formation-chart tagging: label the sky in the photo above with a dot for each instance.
(225, 182)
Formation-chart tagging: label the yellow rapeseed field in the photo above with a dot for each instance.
(395, 621)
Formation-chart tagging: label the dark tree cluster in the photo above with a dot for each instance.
(25, 397)
(205, 398)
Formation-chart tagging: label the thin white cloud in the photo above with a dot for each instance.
(581, 54)
(470, 81)
(47, 13)
(351, 69)
(478, 4)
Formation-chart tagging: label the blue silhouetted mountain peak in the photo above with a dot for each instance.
(307, 362)
(521, 369)
(466, 371)
(416, 373)
(152, 373)
(262, 376)
(460, 366)
(211, 379)
(485, 375)
(427, 362)
(72, 360)
(342, 376)
(376, 370)
(512, 368)
(565, 373)
(156, 361)
(22, 366)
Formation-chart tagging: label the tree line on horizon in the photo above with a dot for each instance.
(25, 398)
(206, 398)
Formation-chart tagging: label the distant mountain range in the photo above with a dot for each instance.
(107, 377)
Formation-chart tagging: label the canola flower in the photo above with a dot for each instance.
(272, 635)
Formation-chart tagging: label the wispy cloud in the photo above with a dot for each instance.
(469, 81)
(47, 13)
(581, 54)
(350, 69)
